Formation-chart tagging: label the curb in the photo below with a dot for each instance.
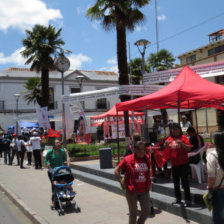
(27, 211)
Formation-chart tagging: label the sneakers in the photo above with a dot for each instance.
(187, 204)
(176, 202)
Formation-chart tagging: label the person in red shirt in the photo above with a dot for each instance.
(179, 146)
(136, 182)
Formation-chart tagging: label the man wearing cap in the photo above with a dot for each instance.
(14, 145)
(6, 149)
(184, 124)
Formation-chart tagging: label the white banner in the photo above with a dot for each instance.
(69, 121)
(134, 90)
(205, 70)
(121, 131)
(42, 117)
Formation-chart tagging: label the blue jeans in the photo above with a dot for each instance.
(6, 154)
(218, 207)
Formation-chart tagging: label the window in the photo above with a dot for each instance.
(101, 103)
(75, 90)
(216, 50)
(216, 37)
(51, 98)
(191, 58)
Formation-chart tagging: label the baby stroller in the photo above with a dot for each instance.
(62, 179)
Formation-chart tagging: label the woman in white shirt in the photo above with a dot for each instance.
(215, 167)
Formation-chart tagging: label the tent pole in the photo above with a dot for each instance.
(196, 119)
(178, 112)
(118, 143)
(206, 118)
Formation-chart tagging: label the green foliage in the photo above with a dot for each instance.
(79, 150)
(33, 93)
(161, 60)
(42, 44)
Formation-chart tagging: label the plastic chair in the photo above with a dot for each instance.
(199, 167)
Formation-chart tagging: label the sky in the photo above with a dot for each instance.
(183, 26)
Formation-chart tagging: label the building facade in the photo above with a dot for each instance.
(12, 82)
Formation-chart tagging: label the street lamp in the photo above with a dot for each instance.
(143, 43)
(62, 64)
(17, 95)
(80, 79)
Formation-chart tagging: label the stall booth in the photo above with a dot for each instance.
(109, 122)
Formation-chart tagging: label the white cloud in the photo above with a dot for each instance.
(77, 60)
(113, 65)
(23, 14)
(140, 28)
(162, 17)
(15, 58)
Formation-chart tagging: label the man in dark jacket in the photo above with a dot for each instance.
(6, 149)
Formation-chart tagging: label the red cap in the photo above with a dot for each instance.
(14, 134)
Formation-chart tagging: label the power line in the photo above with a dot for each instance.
(188, 29)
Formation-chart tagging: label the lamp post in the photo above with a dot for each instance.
(144, 44)
(17, 95)
(80, 79)
(62, 64)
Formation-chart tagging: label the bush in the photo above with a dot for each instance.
(81, 150)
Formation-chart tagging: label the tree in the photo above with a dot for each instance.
(33, 93)
(41, 45)
(121, 15)
(135, 68)
(162, 60)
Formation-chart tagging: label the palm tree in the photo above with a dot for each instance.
(33, 93)
(121, 15)
(135, 68)
(41, 45)
(162, 60)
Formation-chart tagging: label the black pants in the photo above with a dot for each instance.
(21, 155)
(29, 157)
(37, 158)
(52, 185)
(181, 173)
(15, 152)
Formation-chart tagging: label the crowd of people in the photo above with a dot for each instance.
(12, 146)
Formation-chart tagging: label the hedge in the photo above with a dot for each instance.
(81, 150)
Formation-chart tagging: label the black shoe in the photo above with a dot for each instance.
(176, 202)
(187, 204)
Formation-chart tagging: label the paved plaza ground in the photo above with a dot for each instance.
(32, 188)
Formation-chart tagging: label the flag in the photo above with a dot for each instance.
(53, 133)
(161, 156)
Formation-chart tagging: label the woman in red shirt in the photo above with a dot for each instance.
(179, 146)
(136, 182)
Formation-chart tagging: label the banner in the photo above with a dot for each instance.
(53, 133)
(121, 131)
(69, 121)
(42, 117)
(83, 135)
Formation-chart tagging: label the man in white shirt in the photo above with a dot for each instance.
(35, 142)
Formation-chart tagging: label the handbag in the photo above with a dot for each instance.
(209, 196)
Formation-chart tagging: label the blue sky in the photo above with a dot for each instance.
(92, 47)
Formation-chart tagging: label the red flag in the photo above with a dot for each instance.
(161, 156)
(53, 133)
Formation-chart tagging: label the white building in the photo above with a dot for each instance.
(12, 82)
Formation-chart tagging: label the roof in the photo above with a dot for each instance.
(208, 45)
(27, 73)
(187, 90)
(219, 31)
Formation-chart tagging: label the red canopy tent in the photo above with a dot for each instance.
(187, 90)
(110, 118)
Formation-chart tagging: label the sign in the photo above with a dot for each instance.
(121, 131)
(42, 117)
(204, 70)
(134, 90)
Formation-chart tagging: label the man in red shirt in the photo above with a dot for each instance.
(136, 182)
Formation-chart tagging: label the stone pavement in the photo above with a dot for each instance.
(31, 189)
